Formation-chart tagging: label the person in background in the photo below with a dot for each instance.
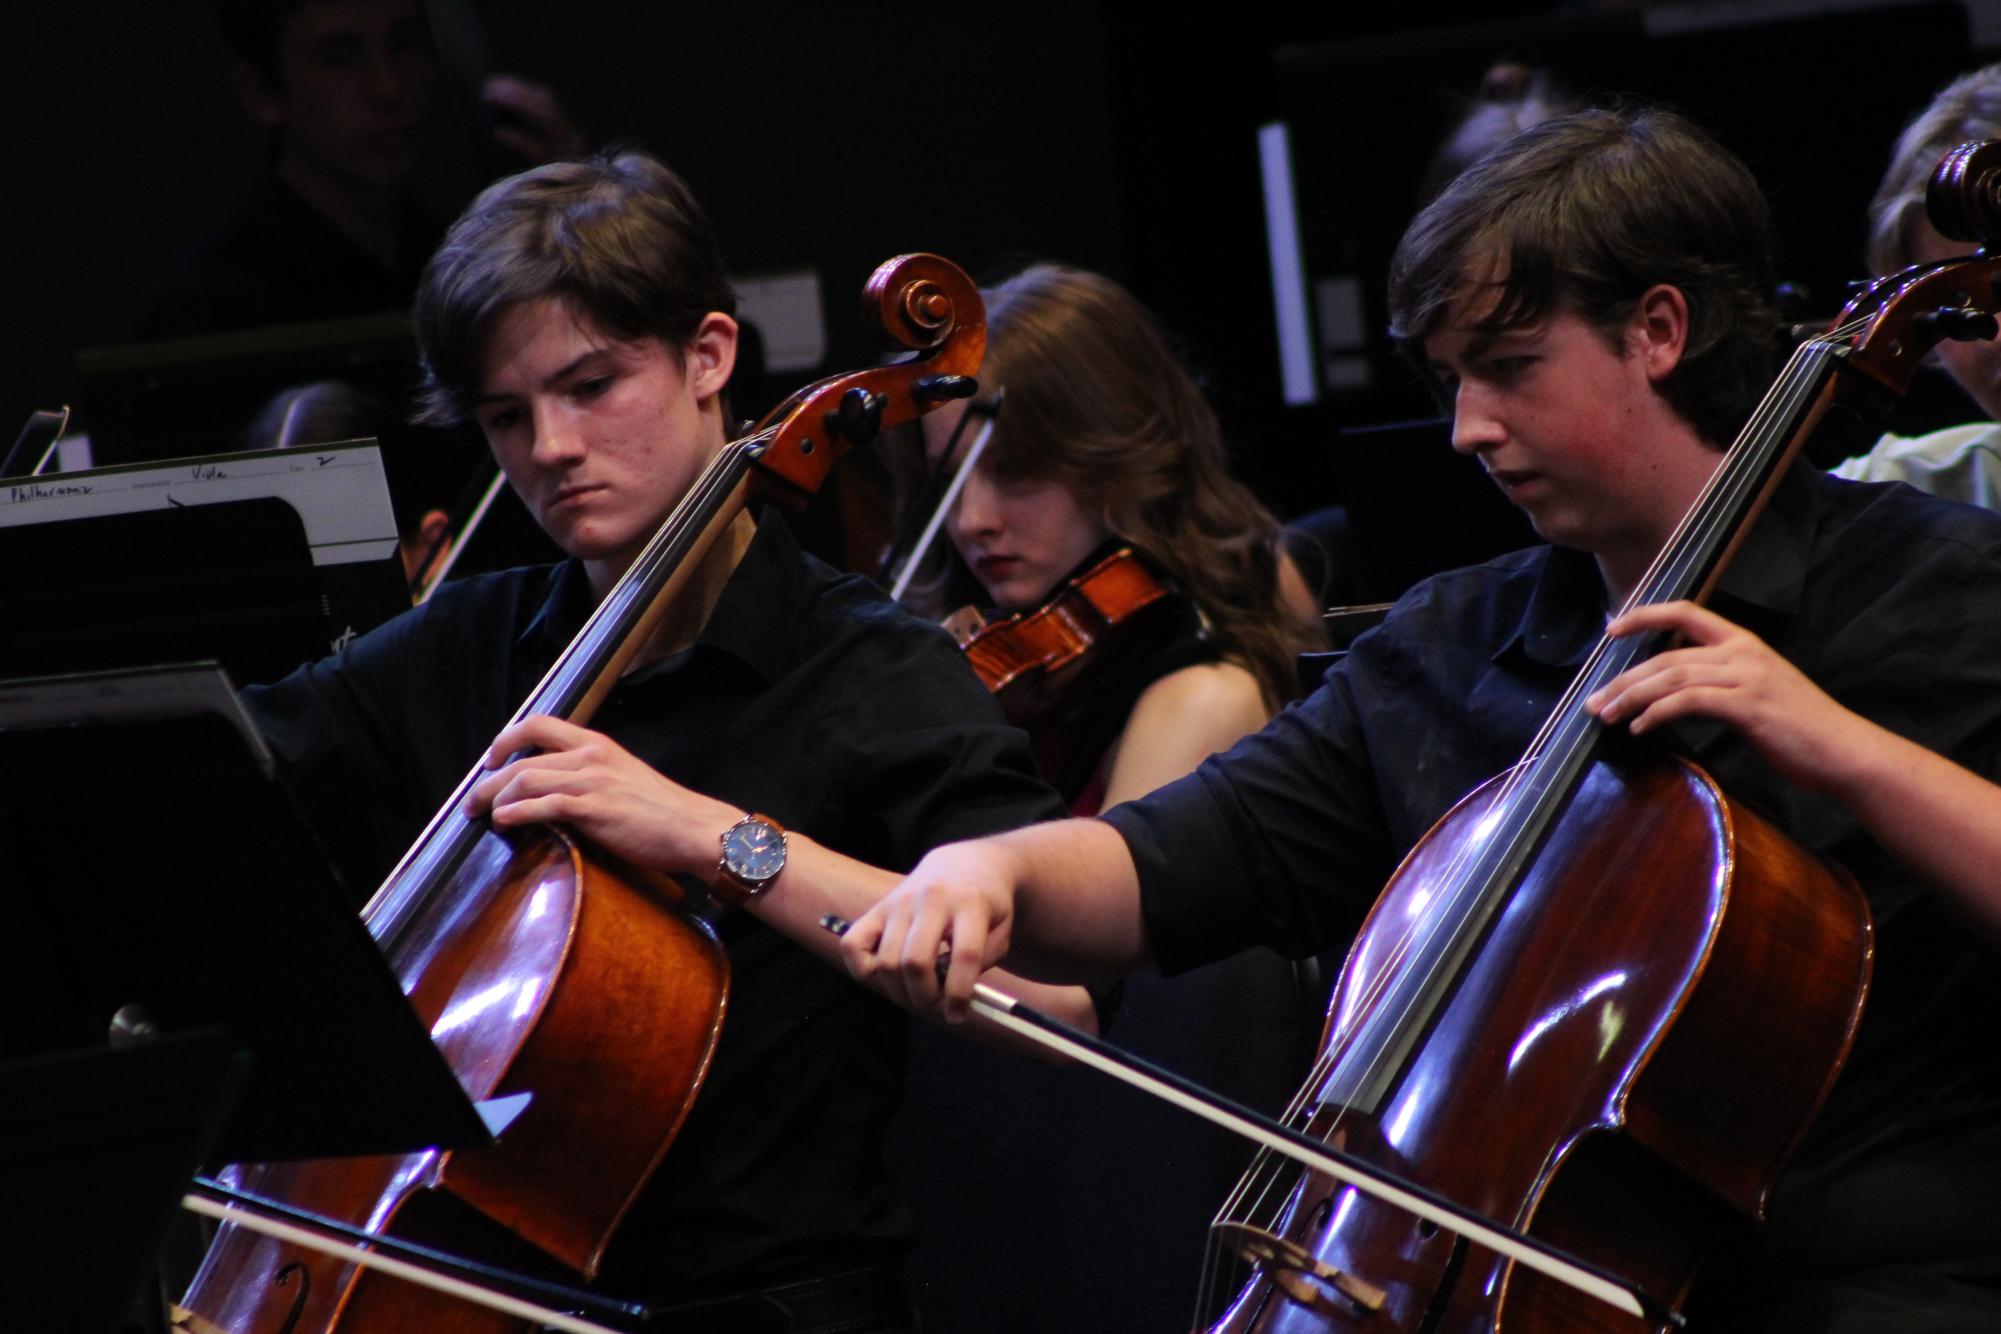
(329, 410)
(332, 226)
(1512, 96)
(1959, 462)
(1103, 443)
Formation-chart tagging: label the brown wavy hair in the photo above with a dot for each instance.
(1585, 213)
(617, 235)
(1097, 400)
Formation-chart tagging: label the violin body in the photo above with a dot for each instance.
(639, 1009)
(1029, 659)
(1652, 1020)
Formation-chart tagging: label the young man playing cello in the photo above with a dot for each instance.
(580, 314)
(1592, 297)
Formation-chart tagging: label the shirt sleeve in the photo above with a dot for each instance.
(920, 752)
(1960, 463)
(334, 726)
(1277, 842)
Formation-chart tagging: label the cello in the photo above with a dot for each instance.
(540, 970)
(1543, 1017)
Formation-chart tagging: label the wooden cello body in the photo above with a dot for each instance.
(546, 963)
(1661, 926)
(1599, 1003)
(540, 971)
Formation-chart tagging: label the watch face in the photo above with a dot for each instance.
(754, 851)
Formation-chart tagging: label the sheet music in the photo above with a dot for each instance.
(338, 490)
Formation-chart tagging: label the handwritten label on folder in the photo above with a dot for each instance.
(338, 490)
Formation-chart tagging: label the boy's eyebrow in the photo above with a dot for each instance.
(1480, 344)
(1476, 346)
(560, 374)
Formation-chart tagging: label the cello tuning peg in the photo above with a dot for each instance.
(1963, 324)
(859, 416)
(946, 386)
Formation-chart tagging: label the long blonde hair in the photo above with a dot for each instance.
(1096, 400)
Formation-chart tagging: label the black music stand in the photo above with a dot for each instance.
(155, 863)
(96, 1148)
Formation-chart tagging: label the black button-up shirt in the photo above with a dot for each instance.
(808, 697)
(1892, 603)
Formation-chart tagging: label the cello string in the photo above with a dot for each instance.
(1693, 539)
(1736, 470)
(431, 856)
(1504, 810)
(1569, 732)
(237, 1216)
(1745, 460)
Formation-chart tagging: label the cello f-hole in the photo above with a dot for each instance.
(305, 1289)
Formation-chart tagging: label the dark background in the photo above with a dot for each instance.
(830, 137)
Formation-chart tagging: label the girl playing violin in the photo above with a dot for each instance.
(1106, 443)
(1103, 442)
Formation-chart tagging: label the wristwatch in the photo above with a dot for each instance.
(753, 855)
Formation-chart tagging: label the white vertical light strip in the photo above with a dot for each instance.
(1288, 268)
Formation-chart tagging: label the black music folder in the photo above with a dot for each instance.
(259, 560)
(96, 1148)
(159, 875)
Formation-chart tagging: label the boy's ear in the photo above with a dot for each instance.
(711, 354)
(1658, 331)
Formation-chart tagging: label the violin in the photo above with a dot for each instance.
(1029, 659)
(539, 969)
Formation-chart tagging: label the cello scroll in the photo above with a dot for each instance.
(921, 302)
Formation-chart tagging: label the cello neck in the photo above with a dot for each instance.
(577, 682)
(922, 303)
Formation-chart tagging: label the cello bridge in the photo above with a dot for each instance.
(1303, 1276)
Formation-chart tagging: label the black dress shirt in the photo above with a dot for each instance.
(1890, 601)
(809, 698)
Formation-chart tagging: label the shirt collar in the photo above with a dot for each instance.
(751, 623)
(1565, 612)
(1764, 587)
